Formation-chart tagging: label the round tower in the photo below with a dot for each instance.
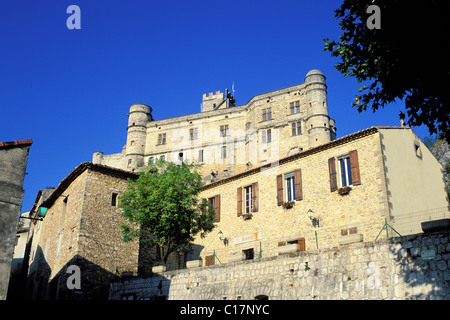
(319, 126)
(138, 117)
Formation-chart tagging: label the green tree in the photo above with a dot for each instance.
(406, 58)
(162, 207)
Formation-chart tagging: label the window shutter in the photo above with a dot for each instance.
(298, 184)
(239, 201)
(356, 179)
(255, 197)
(301, 242)
(333, 177)
(280, 189)
(281, 243)
(209, 260)
(217, 208)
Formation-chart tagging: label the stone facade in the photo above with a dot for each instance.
(13, 163)
(412, 267)
(383, 158)
(230, 139)
(81, 227)
(282, 185)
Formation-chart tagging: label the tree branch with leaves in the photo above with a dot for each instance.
(162, 207)
(406, 59)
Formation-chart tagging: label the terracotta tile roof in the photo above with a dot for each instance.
(305, 153)
(16, 143)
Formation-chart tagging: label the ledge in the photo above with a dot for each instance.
(290, 248)
(351, 238)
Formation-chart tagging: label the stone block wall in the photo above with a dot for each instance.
(412, 267)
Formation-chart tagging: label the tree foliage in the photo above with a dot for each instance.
(405, 59)
(162, 207)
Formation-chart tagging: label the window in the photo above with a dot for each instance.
(200, 155)
(267, 114)
(249, 254)
(224, 152)
(59, 244)
(209, 260)
(114, 199)
(345, 174)
(161, 138)
(224, 131)
(295, 107)
(214, 203)
(248, 199)
(290, 186)
(345, 232)
(417, 149)
(267, 136)
(296, 128)
(193, 134)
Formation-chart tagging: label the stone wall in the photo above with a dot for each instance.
(13, 163)
(412, 267)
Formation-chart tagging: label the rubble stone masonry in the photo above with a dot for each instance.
(412, 267)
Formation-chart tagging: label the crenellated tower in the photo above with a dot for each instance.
(138, 117)
(211, 101)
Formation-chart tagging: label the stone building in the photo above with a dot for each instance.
(13, 163)
(338, 192)
(80, 226)
(230, 139)
(279, 180)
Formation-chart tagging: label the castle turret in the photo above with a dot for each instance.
(211, 101)
(319, 126)
(139, 116)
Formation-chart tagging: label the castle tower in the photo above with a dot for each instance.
(138, 117)
(211, 101)
(319, 126)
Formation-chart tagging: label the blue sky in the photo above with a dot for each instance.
(70, 90)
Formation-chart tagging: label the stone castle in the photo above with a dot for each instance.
(230, 139)
(280, 181)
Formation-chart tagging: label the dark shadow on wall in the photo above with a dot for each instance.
(421, 266)
(94, 280)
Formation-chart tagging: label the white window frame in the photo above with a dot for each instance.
(347, 171)
(248, 201)
(289, 182)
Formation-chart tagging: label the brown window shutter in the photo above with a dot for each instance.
(280, 189)
(298, 184)
(255, 197)
(209, 260)
(333, 176)
(281, 243)
(239, 201)
(301, 242)
(217, 208)
(356, 179)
